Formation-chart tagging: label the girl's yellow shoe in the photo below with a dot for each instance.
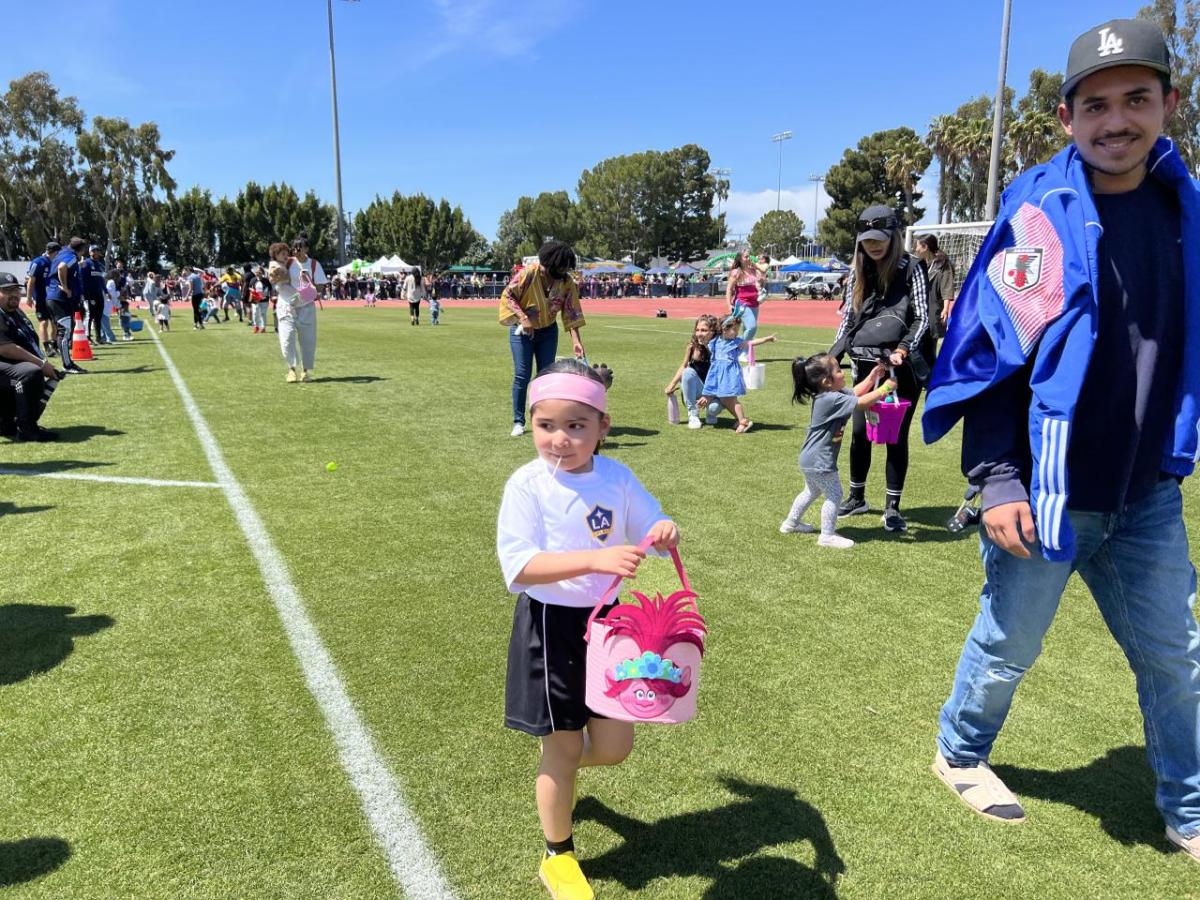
(563, 878)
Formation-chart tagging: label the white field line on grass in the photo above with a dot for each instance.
(110, 479)
(413, 865)
(688, 334)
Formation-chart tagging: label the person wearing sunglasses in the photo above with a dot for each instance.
(884, 318)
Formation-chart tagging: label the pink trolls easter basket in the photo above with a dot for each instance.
(643, 658)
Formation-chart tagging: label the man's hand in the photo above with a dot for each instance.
(665, 534)
(49, 371)
(623, 560)
(1010, 527)
(897, 358)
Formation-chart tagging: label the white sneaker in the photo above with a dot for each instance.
(518, 430)
(790, 527)
(693, 421)
(1190, 846)
(836, 541)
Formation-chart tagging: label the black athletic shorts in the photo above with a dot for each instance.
(547, 668)
(41, 309)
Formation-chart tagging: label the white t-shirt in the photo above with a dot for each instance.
(111, 296)
(287, 290)
(546, 512)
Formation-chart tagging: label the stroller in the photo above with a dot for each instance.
(968, 513)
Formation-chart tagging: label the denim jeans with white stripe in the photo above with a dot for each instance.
(1135, 563)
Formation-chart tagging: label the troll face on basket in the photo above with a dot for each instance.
(647, 682)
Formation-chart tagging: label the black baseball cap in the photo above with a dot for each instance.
(53, 246)
(877, 223)
(1119, 42)
(8, 280)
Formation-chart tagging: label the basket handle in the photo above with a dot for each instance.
(611, 592)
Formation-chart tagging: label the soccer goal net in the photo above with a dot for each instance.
(960, 241)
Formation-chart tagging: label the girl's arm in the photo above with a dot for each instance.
(870, 380)
(769, 339)
(547, 567)
(870, 398)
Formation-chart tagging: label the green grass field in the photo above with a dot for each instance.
(158, 738)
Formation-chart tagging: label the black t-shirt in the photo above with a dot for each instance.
(1126, 407)
(16, 329)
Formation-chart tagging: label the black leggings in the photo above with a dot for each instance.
(197, 319)
(897, 453)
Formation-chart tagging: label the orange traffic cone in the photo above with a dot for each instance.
(80, 348)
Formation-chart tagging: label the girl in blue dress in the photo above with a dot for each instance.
(724, 383)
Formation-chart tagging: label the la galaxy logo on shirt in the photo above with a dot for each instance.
(1110, 44)
(600, 522)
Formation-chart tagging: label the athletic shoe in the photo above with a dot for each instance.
(980, 789)
(8, 429)
(1190, 846)
(76, 370)
(307, 376)
(518, 430)
(36, 433)
(853, 506)
(835, 542)
(893, 521)
(790, 527)
(292, 377)
(693, 421)
(563, 878)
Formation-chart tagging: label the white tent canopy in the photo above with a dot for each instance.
(790, 261)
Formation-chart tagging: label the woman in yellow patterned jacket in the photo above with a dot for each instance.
(529, 305)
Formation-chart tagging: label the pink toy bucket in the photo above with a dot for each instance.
(884, 420)
(643, 658)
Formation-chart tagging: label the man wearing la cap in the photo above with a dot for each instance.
(26, 379)
(1073, 360)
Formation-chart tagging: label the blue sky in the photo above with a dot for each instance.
(481, 101)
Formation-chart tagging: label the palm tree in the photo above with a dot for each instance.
(1036, 136)
(938, 140)
(905, 166)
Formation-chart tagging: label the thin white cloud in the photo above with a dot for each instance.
(498, 28)
(744, 208)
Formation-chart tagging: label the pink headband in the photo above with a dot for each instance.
(565, 386)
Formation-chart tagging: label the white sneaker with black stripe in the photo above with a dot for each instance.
(981, 789)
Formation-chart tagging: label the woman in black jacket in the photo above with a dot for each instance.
(885, 317)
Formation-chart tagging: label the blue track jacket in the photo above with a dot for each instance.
(1031, 293)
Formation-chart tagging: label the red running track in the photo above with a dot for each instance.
(805, 313)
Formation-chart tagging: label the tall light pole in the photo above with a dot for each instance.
(719, 174)
(817, 181)
(337, 142)
(998, 115)
(779, 139)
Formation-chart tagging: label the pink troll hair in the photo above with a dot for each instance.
(654, 625)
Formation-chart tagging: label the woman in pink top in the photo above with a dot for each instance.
(744, 281)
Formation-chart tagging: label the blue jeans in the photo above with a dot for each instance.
(693, 387)
(749, 322)
(125, 323)
(1135, 563)
(106, 331)
(542, 345)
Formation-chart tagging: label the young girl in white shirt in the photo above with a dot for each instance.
(569, 521)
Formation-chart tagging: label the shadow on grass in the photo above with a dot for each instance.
(30, 858)
(349, 379)
(77, 434)
(722, 845)
(630, 431)
(865, 528)
(35, 639)
(50, 465)
(1117, 788)
(11, 509)
(134, 370)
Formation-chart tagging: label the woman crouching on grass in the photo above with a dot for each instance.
(559, 562)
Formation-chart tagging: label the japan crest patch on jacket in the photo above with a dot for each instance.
(1028, 276)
